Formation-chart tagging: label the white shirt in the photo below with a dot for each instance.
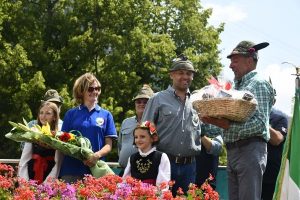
(26, 157)
(164, 169)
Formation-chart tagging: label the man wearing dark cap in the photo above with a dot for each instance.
(177, 123)
(246, 143)
(125, 139)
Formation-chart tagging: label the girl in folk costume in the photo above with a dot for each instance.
(37, 162)
(148, 164)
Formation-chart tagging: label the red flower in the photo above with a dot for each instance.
(167, 195)
(147, 123)
(171, 183)
(65, 137)
(180, 191)
(150, 126)
(152, 129)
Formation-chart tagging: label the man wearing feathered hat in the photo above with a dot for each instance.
(246, 143)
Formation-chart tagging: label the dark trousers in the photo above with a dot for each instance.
(267, 191)
(206, 164)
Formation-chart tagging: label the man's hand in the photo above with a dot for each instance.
(222, 122)
(276, 137)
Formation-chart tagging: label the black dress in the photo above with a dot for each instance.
(41, 163)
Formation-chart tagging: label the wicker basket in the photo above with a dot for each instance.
(233, 109)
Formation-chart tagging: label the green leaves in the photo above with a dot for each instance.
(48, 44)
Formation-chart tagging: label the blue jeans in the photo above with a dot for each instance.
(183, 175)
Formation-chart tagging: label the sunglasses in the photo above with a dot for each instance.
(141, 101)
(91, 89)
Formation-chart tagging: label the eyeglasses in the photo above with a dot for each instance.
(91, 89)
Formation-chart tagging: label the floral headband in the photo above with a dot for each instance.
(150, 126)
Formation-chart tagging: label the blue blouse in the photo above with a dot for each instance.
(95, 125)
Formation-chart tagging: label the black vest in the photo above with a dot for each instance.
(145, 168)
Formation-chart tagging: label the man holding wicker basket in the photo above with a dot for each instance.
(246, 142)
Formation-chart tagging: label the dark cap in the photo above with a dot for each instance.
(52, 96)
(248, 48)
(145, 93)
(181, 63)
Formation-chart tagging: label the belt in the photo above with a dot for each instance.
(244, 142)
(40, 166)
(181, 159)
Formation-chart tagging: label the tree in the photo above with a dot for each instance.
(16, 87)
(125, 43)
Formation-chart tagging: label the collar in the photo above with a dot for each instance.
(245, 78)
(147, 153)
(172, 90)
(136, 118)
(82, 106)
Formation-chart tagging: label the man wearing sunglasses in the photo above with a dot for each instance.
(177, 123)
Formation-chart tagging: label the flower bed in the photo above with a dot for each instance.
(107, 187)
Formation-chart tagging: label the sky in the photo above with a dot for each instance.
(273, 21)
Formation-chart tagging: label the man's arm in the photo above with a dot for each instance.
(276, 137)
(278, 129)
(212, 146)
(151, 113)
(222, 123)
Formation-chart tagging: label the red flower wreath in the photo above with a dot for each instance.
(151, 127)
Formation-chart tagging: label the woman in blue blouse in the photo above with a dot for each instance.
(91, 121)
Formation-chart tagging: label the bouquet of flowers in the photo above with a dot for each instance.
(69, 144)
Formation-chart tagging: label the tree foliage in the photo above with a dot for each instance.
(125, 43)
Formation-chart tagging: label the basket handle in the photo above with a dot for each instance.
(75, 132)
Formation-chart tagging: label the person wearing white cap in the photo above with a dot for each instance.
(125, 139)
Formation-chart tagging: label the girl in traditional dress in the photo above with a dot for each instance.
(37, 162)
(148, 164)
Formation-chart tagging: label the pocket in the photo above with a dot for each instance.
(167, 112)
(167, 116)
(126, 131)
(127, 135)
